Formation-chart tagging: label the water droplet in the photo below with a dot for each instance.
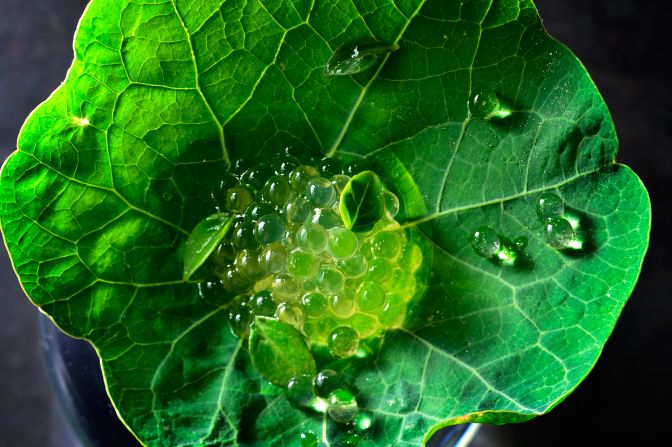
(342, 243)
(238, 198)
(342, 406)
(314, 304)
(486, 242)
(330, 278)
(326, 382)
(370, 297)
(320, 192)
(269, 229)
(284, 287)
(550, 205)
(300, 177)
(290, 313)
(277, 191)
(263, 304)
(300, 390)
(311, 238)
(391, 203)
(386, 245)
(255, 211)
(353, 58)
(484, 104)
(301, 264)
(520, 243)
(559, 233)
(274, 257)
(342, 304)
(343, 342)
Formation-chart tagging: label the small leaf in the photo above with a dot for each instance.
(203, 240)
(279, 352)
(362, 201)
(356, 57)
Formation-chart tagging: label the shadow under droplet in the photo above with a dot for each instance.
(584, 227)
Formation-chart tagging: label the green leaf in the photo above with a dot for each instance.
(279, 352)
(115, 168)
(203, 241)
(362, 202)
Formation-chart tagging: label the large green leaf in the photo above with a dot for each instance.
(116, 167)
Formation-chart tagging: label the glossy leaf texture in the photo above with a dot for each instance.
(203, 241)
(362, 201)
(117, 166)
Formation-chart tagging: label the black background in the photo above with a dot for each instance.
(626, 46)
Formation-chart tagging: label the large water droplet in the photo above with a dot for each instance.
(486, 242)
(484, 104)
(560, 234)
(363, 421)
(343, 342)
(342, 406)
(353, 58)
(300, 390)
(550, 205)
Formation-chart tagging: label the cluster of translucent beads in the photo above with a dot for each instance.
(289, 256)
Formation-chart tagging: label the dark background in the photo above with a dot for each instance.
(626, 46)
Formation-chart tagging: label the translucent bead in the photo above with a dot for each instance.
(342, 304)
(354, 266)
(370, 297)
(277, 191)
(320, 192)
(559, 233)
(411, 257)
(284, 287)
(311, 238)
(274, 257)
(339, 182)
(286, 165)
(300, 177)
(238, 198)
(342, 243)
(391, 203)
(233, 281)
(224, 254)
(262, 304)
(386, 245)
(343, 342)
(219, 192)
(330, 279)
(380, 271)
(342, 406)
(549, 206)
(256, 211)
(314, 304)
(301, 264)
(297, 210)
(300, 390)
(326, 382)
(269, 228)
(244, 237)
(240, 319)
(247, 264)
(256, 177)
(486, 242)
(394, 311)
(326, 218)
(212, 291)
(290, 313)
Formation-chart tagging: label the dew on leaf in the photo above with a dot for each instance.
(560, 234)
(290, 313)
(484, 104)
(343, 342)
(486, 242)
(549, 206)
(353, 58)
(520, 243)
(326, 382)
(342, 406)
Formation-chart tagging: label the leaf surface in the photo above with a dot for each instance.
(120, 162)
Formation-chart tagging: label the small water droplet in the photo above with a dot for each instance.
(356, 57)
(484, 104)
(308, 439)
(520, 243)
(342, 406)
(326, 382)
(550, 205)
(560, 234)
